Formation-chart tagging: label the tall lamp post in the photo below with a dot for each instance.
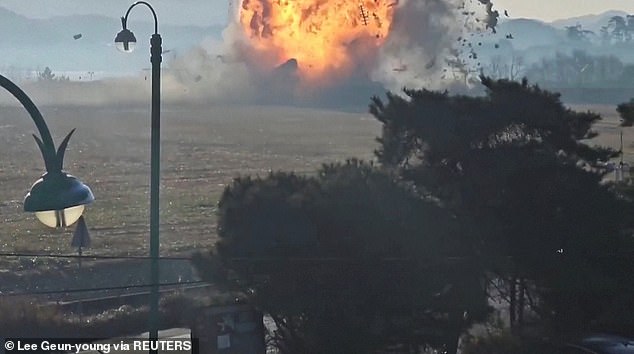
(57, 198)
(125, 42)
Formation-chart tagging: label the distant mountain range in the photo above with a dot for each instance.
(35, 43)
(534, 33)
(528, 33)
(533, 39)
(589, 22)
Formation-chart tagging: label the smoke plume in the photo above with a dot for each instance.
(315, 52)
(347, 49)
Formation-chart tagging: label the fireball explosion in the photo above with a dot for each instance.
(328, 38)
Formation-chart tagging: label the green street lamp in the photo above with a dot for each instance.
(57, 198)
(125, 41)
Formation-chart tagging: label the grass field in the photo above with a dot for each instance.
(203, 149)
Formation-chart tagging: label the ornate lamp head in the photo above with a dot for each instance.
(125, 40)
(57, 198)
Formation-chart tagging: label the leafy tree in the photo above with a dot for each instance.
(577, 33)
(605, 34)
(46, 75)
(501, 67)
(620, 31)
(578, 68)
(514, 166)
(626, 112)
(349, 261)
(362, 259)
(630, 26)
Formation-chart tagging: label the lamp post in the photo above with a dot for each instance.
(125, 41)
(57, 198)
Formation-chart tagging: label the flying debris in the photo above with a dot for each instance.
(364, 14)
(400, 68)
(492, 15)
(77, 36)
(506, 13)
(509, 36)
(377, 19)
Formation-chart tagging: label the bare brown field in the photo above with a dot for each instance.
(203, 149)
(609, 130)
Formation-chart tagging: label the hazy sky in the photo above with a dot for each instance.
(194, 12)
(208, 12)
(549, 10)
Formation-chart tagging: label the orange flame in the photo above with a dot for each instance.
(326, 37)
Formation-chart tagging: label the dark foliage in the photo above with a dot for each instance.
(511, 164)
(360, 259)
(346, 262)
(626, 111)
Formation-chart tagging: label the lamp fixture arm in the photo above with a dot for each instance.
(52, 159)
(124, 20)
